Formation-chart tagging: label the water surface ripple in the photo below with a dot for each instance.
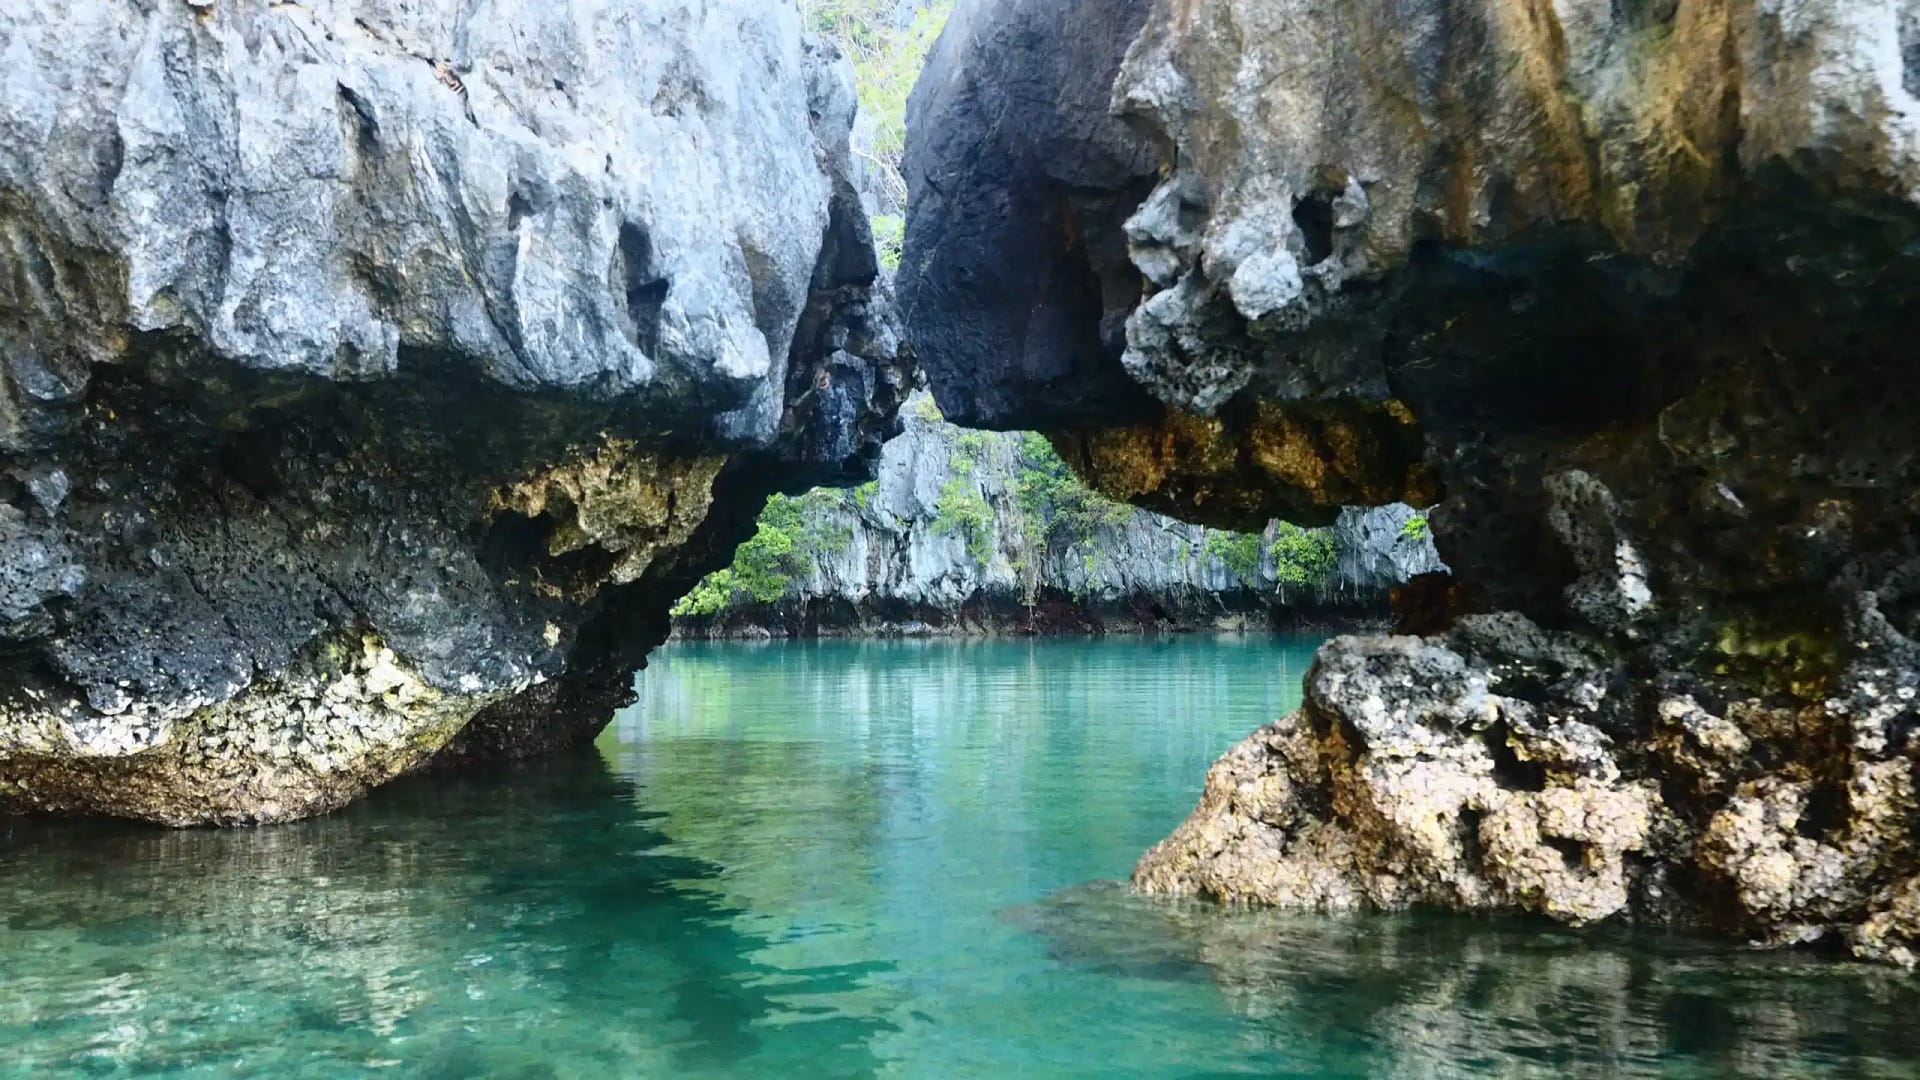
(846, 859)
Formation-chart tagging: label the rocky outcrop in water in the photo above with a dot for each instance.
(373, 377)
(968, 532)
(1626, 285)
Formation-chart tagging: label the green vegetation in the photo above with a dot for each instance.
(1415, 527)
(792, 533)
(927, 409)
(972, 445)
(889, 239)
(1240, 551)
(962, 511)
(817, 532)
(1056, 512)
(1302, 557)
(1055, 507)
(886, 61)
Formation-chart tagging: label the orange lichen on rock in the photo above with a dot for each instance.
(1298, 461)
(629, 504)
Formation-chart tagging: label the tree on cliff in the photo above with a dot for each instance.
(887, 42)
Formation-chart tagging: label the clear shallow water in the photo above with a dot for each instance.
(845, 860)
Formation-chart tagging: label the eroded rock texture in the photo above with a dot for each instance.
(1631, 285)
(374, 375)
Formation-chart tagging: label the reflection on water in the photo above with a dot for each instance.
(844, 860)
(1441, 994)
(520, 923)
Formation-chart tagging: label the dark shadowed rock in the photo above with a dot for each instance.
(1019, 284)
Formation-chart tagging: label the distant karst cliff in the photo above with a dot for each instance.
(978, 532)
(1628, 288)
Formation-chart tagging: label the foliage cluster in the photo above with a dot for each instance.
(1240, 551)
(1056, 508)
(1415, 527)
(972, 446)
(1302, 557)
(791, 534)
(961, 510)
(890, 239)
(927, 410)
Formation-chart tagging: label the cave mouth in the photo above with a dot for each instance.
(1313, 216)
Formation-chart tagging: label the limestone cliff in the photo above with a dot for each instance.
(375, 375)
(1626, 284)
(976, 532)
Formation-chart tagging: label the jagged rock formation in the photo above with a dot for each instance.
(374, 376)
(1629, 284)
(902, 556)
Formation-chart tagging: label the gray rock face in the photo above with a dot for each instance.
(892, 559)
(372, 373)
(1018, 283)
(1626, 288)
(311, 188)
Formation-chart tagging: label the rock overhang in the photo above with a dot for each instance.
(1628, 288)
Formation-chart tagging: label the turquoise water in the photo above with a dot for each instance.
(846, 860)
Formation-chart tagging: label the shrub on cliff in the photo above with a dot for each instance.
(1302, 557)
(792, 532)
(962, 511)
(1055, 507)
(1240, 552)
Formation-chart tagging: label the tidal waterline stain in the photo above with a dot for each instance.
(845, 859)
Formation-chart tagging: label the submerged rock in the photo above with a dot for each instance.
(374, 377)
(1626, 287)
